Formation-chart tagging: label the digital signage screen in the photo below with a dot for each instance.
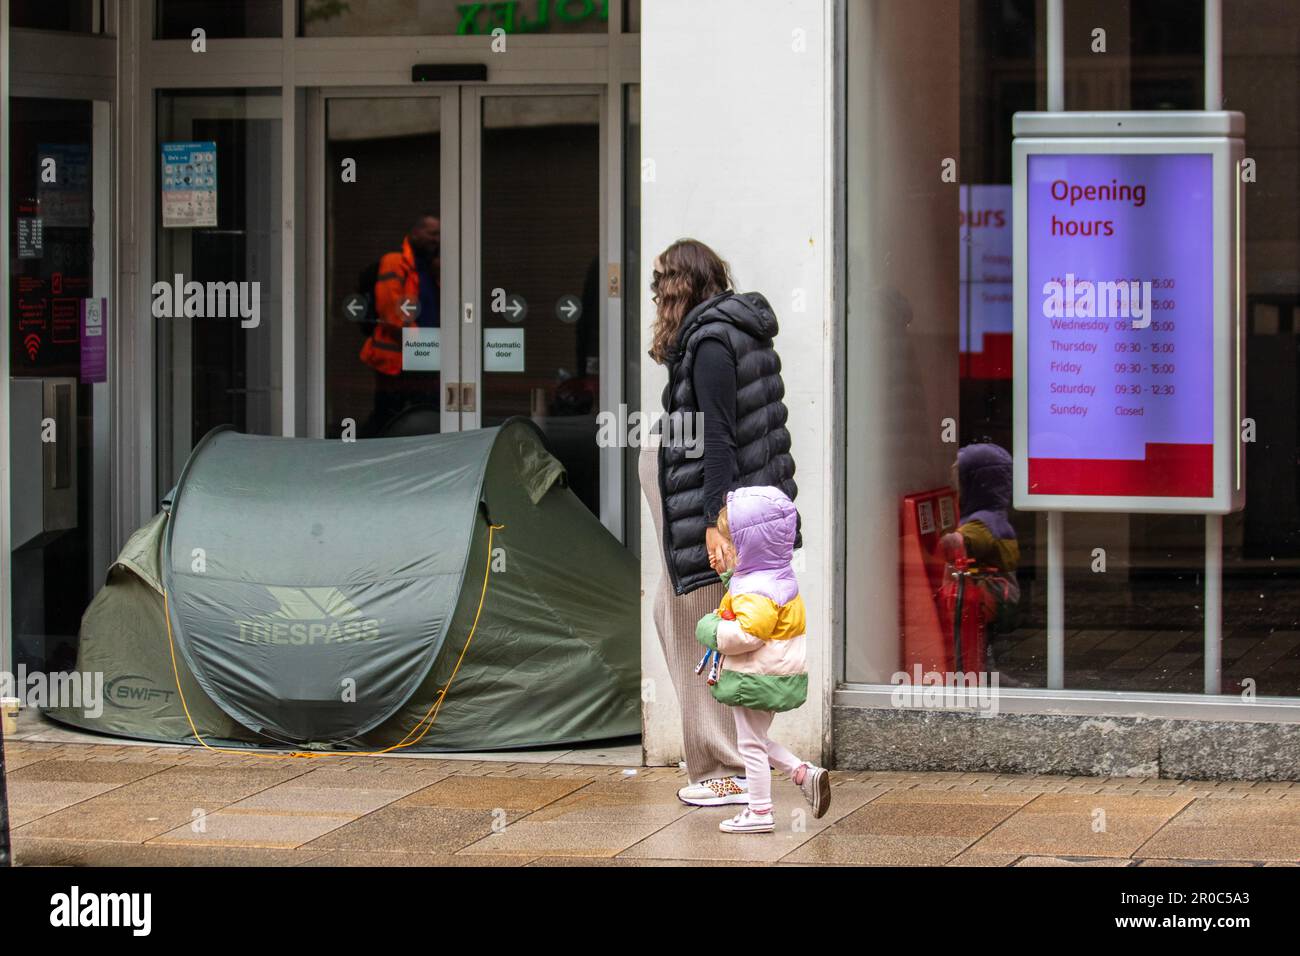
(1120, 324)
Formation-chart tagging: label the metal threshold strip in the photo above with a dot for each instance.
(1095, 703)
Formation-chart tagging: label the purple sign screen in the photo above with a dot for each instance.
(1120, 324)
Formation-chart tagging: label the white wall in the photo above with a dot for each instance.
(737, 127)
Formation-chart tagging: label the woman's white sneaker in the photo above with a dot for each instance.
(747, 821)
(715, 792)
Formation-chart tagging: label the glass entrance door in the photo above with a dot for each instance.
(462, 266)
(391, 253)
(533, 213)
(60, 318)
(220, 352)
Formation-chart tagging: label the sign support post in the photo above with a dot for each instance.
(1214, 604)
(1055, 519)
(1214, 522)
(1055, 600)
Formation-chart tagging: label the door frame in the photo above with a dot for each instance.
(305, 69)
(461, 195)
(449, 201)
(35, 67)
(609, 459)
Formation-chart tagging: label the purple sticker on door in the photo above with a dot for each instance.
(94, 340)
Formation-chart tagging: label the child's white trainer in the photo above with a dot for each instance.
(816, 787)
(747, 821)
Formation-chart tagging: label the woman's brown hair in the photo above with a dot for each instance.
(689, 273)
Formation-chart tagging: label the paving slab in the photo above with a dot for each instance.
(206, 787)
(419, 829)
(375, 858)
(592, 831)
(98, 821)
(1214, 863)
(696, 835)
(489, 793)
(289, 799)
(933, 813)
(1225, 835)
(879, 850)
(85, 771)
(264, 830)
(17, 756)
(32, 799)
(63, 853)
(36, 851)
(979, 858)
(1072, 861)
(623, 861)
(1084, 825)
(911, 828)
(628, 793)
(404, 776)
(1259, 842)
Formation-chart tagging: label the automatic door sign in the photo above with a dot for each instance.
(421, 349)
(189, 184)
(503, 350)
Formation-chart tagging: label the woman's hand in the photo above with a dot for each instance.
(721, 555)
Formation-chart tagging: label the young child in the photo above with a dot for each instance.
(984, 483)
(759, 630)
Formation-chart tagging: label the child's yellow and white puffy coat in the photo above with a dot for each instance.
(765, 666)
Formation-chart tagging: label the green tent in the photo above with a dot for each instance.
(321, 594)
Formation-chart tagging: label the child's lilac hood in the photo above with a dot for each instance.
(763, 524)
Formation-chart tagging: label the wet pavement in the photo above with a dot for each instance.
(79, 803)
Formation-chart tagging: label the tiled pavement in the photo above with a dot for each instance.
(110, 804)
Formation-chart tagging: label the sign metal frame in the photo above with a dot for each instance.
(1218, 134)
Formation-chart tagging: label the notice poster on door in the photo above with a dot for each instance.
(94, 340)
(421, 350)
(1120, 325)
(189, 184)
(30, 230)
(64, 190)
(503, 350)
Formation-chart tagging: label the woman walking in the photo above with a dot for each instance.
(724, 428)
